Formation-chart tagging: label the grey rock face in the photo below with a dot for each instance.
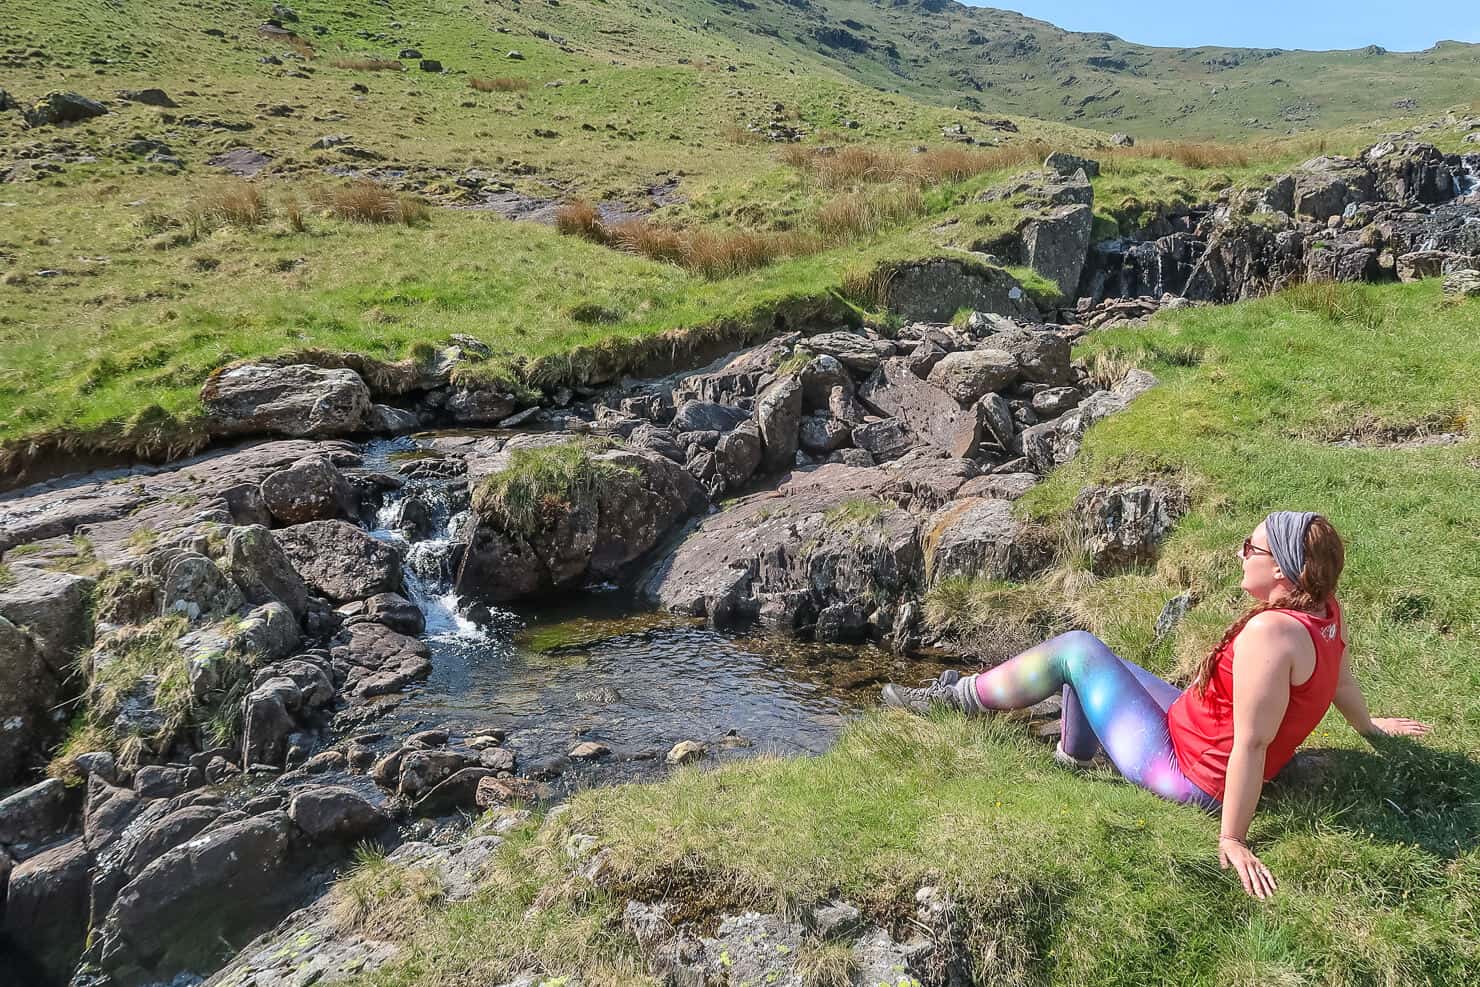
(381, 661)
(44, 623)
(778, 415)
(1125, 525)
(970, 374)
(299, 401)
(1326, 186)
(221, 887)
(336, 815)
(882, 440)
(1053, 443)
(1056, 245)
(980, 537)
(929, 414)
(257, 564)
(739, 455)
(37, 814)
(193, 585)
(1462, 284)
(312, 489)
(46, 910)
(63, 107)
(340, 560)
(1066, 164)
(935, 290)
(695, 416)
(1410, 172)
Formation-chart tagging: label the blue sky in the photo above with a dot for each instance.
(1315, 24)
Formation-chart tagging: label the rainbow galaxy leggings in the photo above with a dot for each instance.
(1108, 702)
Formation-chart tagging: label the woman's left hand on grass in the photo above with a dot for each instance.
(1401, 726)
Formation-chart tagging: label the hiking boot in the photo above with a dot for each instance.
(922, 700)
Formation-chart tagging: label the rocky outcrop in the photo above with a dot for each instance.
(592, 535)
(312, 489)
(58, 107)
(935, 290)
(341, 561)
(1124, 526)
(44, 623)
(1055, 245)
(302, 400)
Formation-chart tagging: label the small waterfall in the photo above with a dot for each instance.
(1467, 176)
(421, 518)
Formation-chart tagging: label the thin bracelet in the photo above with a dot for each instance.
(1234, 839)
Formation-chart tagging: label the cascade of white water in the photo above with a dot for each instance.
(427, 571)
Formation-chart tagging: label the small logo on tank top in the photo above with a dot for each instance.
(1329, 633)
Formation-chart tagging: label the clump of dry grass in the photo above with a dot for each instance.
(378, 897)
(856, 214)
(737, 134)
(714, 254)
(860, 165)
(502, 84)
(366, 202)
(580, 218)
(368, 64)
(302, 46)
(1199, 155)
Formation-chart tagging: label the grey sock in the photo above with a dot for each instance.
(965, 691)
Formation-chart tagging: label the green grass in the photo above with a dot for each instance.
(859, 512)
(1068, 879)
(539, 484)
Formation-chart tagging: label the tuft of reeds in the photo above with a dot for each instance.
(855, 214)
(580, 218)
(368, 64)
(502, 84)
(365, 201)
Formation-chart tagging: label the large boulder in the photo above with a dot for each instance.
(334, 814)
(46, 913)
(341, 561)
(1056, 245)
(1124, 526)
(381, 661)
(201, 899)
(833, 536)
(312, 489)
(1247, 260)
(778, 416)
(259, 566)
(1410, 173)
(969, 374)
(700, 416)
(1340, 260)
(1325, 186)
(63, 107)
(299, 400)
(44, 623)
(1462, 284)
(928, 413)
(935, 290)
(739, 454)
(1053, 443)
(981, 537)
(479, 407)
(193, 585)
(37, 814)
(593, 535)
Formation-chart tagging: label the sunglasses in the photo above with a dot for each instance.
(1251, 549)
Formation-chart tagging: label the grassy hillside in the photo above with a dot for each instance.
(126, 280)
(1069, 879)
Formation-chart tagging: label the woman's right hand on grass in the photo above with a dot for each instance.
(1400, 726)
(1258, 881)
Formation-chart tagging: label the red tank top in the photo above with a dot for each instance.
(1202, 726)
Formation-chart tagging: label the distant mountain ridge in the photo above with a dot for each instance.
(997, 60)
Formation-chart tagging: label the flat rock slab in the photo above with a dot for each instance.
(927, 412)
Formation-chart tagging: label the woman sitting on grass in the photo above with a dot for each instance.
(1259, 693)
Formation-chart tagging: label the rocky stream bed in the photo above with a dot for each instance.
(342, 624)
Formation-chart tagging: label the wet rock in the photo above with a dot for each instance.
(62, 107)
(458, 791)
(498, 759)
(685, 752)
(1056, 245)
(382, 662)
(1409, 173)
(340, 560)
(1124, 525)
(421, 771)
(258, 565)
(269, 720)
(46, 911)
(312, 489)
(395, 612)
(981, 537)
(37, 814)
(778, 414)
(928, 414)
(1246, 261)
(935, 290)
(299, 400)
(589, 750)
(44, 623)
(336, 815)
(970, 374)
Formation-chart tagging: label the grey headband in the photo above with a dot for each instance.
(1286, 531)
